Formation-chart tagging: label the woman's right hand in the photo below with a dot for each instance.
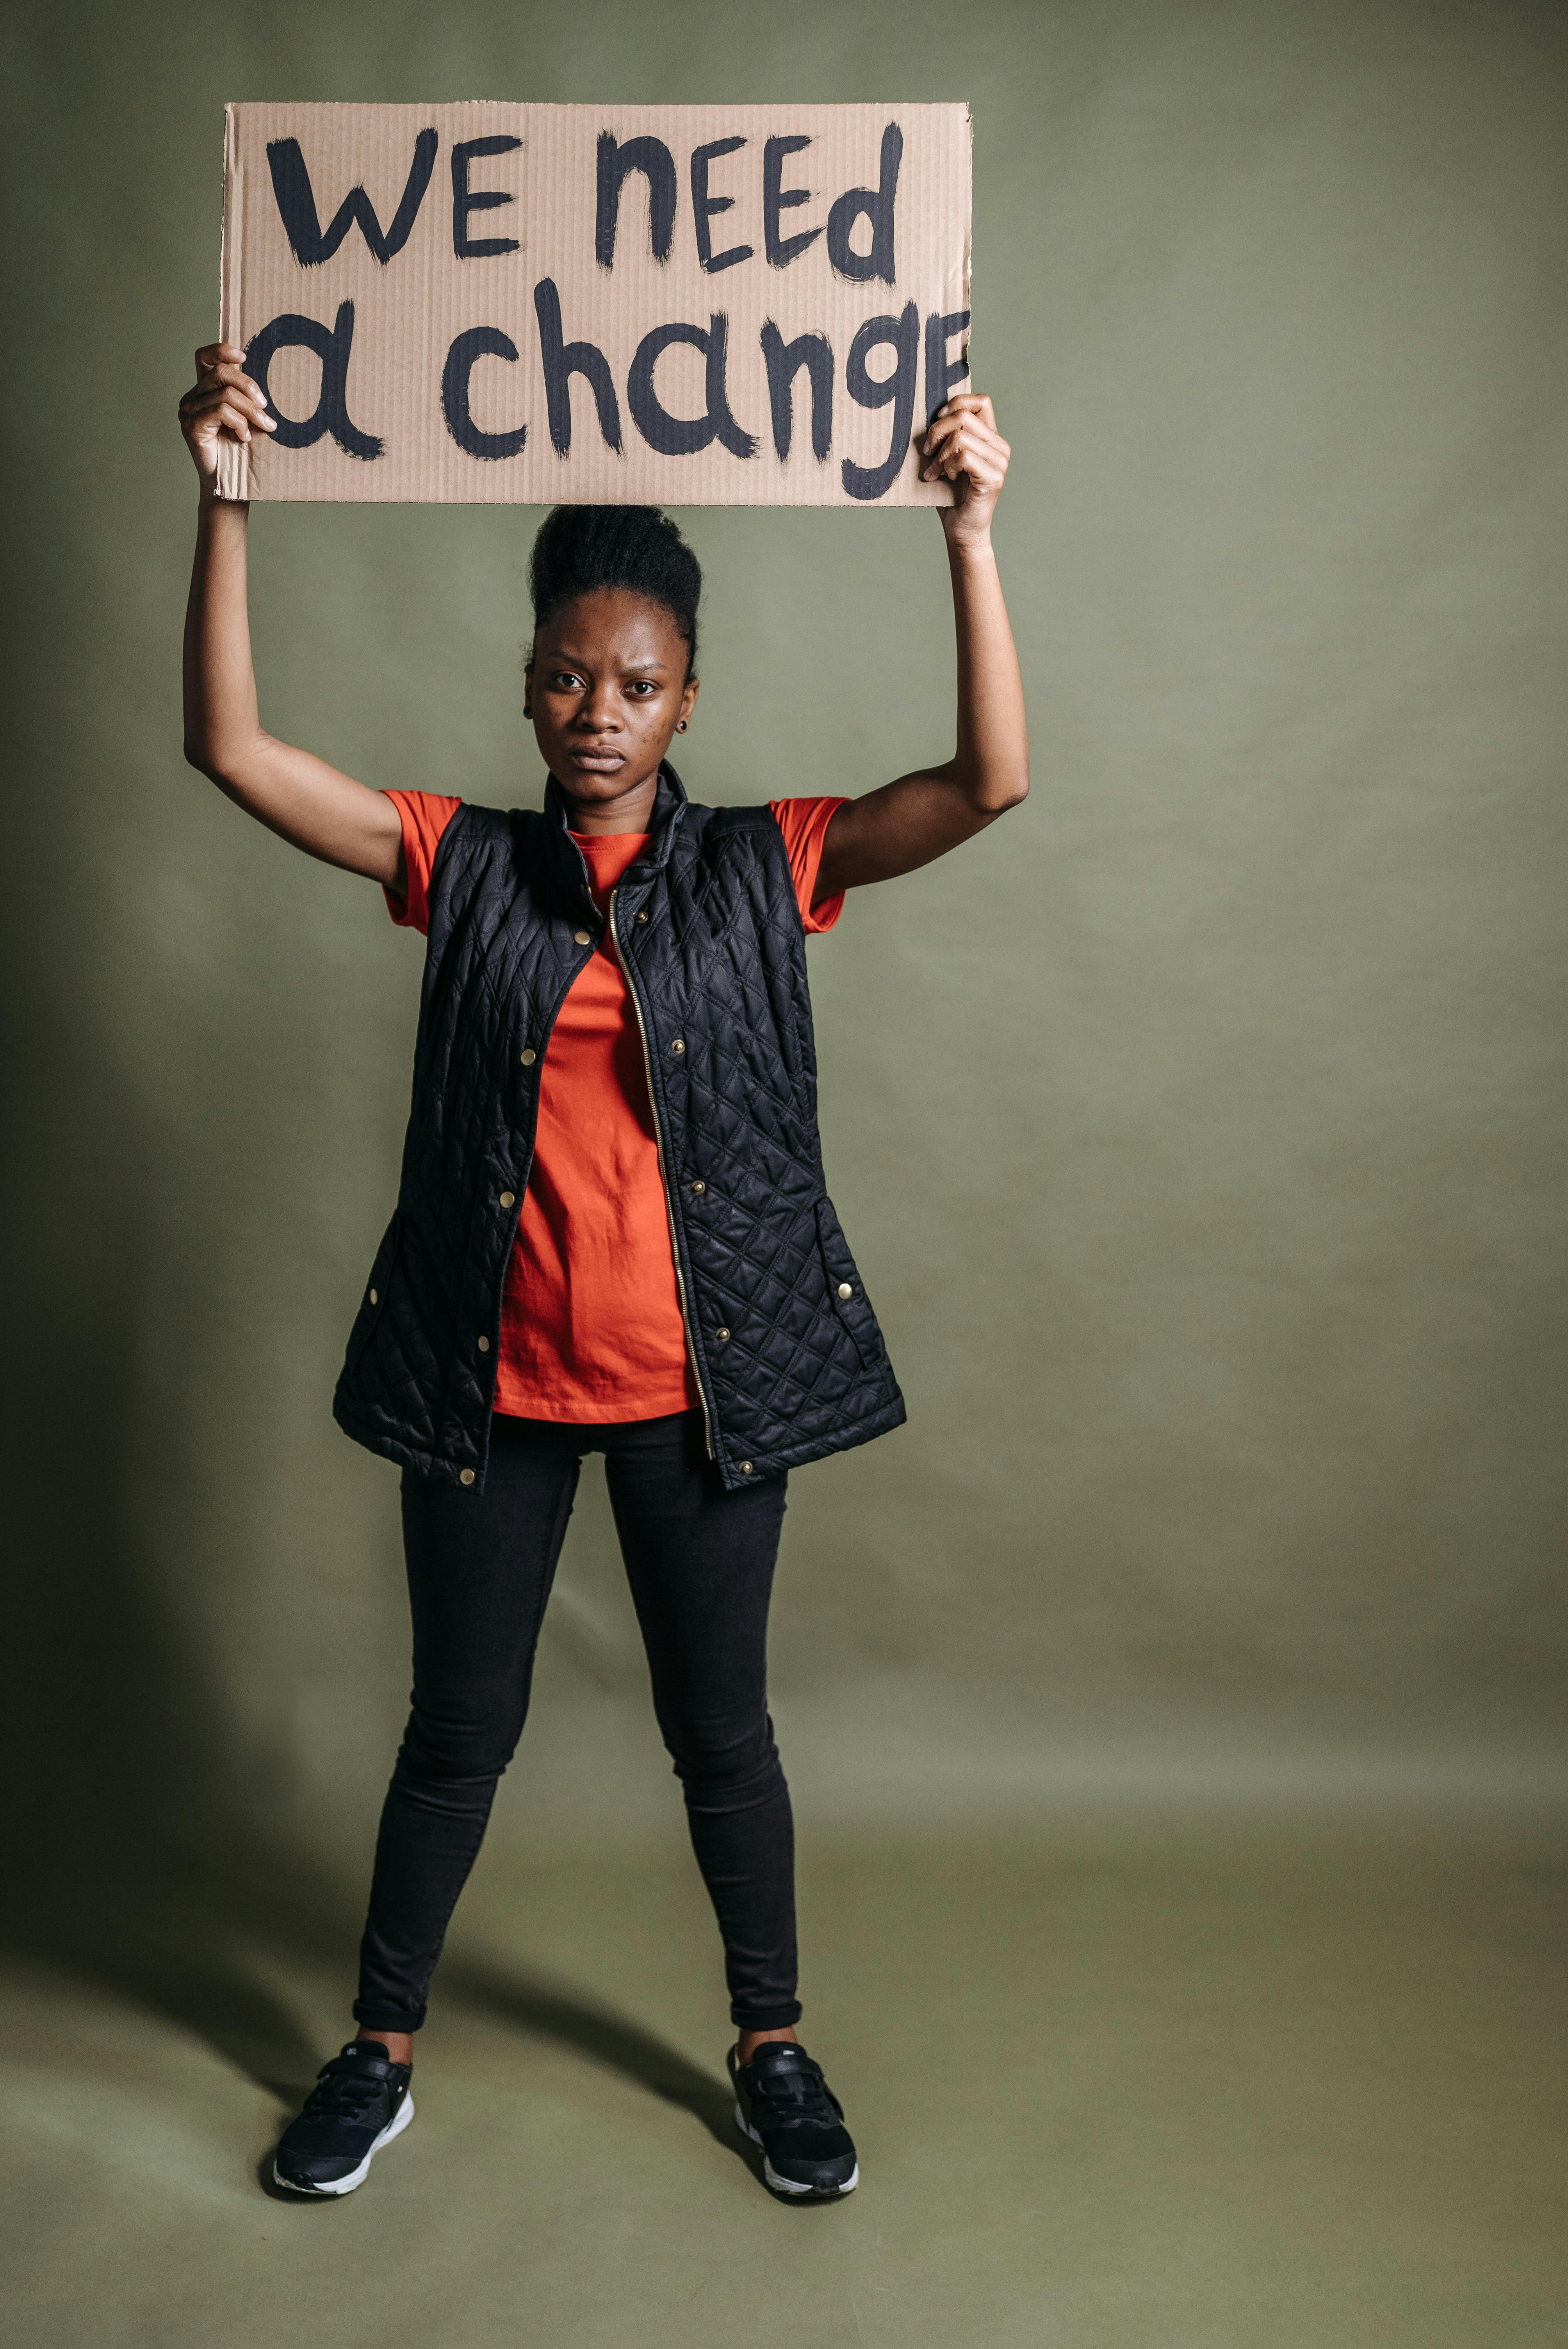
(222, 403)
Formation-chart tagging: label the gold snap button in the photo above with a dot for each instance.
(679, 1044)
(642, 918)
(465, 1476)
(374, 1299)
(746, 1467)
(484, 1345)
(845, 1289)
(581, 936)
(509, 1198)
(699, 1188)
(723, 1337)
(529, 1058)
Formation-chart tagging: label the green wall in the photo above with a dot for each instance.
(1198, 1130)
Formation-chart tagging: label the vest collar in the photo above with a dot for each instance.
(567, 860)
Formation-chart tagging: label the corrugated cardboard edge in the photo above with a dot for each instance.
(969, 249)
(233, 482)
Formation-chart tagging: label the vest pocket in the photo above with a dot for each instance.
(846, 1293)
(374, 1302)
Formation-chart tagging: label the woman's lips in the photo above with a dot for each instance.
(604, 759)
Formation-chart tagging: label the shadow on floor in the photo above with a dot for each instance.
(193, 1949)
(612, 2040)
(186, 1951)
(541, 2011)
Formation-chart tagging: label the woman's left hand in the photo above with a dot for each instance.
(964, 447)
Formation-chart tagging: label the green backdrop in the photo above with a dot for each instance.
(1199, 1129)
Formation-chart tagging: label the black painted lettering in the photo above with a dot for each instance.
(560, 361)
(332, 346)
(480, 342)
(703, 206)
(785, 360)
(877, 207)
(901, 335)
(677, 436)
(653, 159)
(777, 198)
(941, 372)
(467, 200)
(296, 205)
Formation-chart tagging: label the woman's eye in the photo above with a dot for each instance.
(642, 687)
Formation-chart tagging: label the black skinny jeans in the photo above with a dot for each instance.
(700, 1563)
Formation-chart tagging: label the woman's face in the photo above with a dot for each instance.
(606, 689)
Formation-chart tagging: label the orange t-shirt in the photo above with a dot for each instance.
(590, 1325)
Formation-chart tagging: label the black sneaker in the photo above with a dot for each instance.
(360, 2102)
(783, 2104)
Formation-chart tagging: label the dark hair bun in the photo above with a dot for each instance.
(580, 548)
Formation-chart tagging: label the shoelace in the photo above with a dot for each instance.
(798, 2096)
(348, 2093)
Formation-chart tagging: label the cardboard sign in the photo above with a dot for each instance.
(662, 304)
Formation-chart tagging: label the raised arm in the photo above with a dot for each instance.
(921, 816)
(292, 791)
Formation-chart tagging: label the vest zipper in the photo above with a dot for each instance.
(663, 1178)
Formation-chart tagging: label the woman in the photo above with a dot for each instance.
(611, 1232)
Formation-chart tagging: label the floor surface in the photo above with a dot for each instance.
(1205, 2084)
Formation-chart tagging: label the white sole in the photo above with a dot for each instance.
(395, 2127)
(793, 2185)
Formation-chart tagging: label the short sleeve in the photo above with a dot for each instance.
(804, 824)
(425, 816)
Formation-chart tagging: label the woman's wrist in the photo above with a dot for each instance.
(978, 550)
(209, 502)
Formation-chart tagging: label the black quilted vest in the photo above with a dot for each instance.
(786, 1347)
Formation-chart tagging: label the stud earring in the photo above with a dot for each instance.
(680, 726)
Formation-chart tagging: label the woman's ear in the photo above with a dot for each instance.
(528, 688)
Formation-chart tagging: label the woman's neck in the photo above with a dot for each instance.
(631, 809)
